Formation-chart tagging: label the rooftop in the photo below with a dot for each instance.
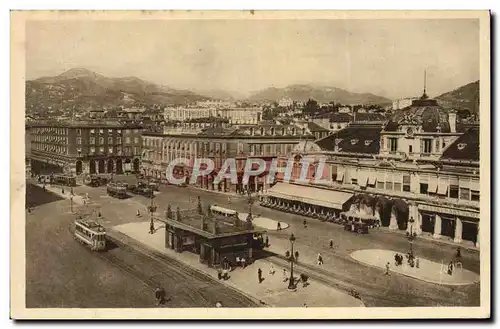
(465, 148)
(192, 221)
(357, 138)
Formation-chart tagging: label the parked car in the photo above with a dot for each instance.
(356, 227)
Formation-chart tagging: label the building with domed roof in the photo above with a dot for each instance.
(417, 172)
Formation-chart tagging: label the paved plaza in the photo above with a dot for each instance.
(428, 270)
(272, 291)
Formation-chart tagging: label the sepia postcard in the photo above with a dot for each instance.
(250, 164)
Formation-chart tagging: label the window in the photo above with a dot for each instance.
(410, 149)
(110, 150)
(101, 149)
(397, 186)
(91, 131)
(393, 144)
(354, 181)
(380, 184)
(92, 150)
(464, 194)
(92, 140)
(118, 140)
(110, 131)
(474, 195)
(127, 140)
(427, 146)
(423, 188)
(136, 150)
(437, 145)
(406, 183)
(79, 140)
(136, 140)
(79, 132)
(110, 140)
(101, 140)
(388, 185)
(101, 131)
(454, 191)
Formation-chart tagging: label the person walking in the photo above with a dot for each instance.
(320, 259)
(296, 256)
(259, 275)
(305, 223)
(331, 244)
(387, 267)
(243, 262)
(285, 275)
(279, 226)
(138, 213)
(267, 241)
(271, 270)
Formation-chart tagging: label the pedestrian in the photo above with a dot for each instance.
(259, 275)
(99, 214)
(243, 262)
(218, 304)
(219, 273)
(417, 262)
(320, 259)
(271, 270)
(267, 241)
(62, 190)
(331, 244)
(138, 213)
(305, 223)
(279, 226)
(285, 275)
(238, 261)
(387, 267)
(296, 256)
(158, 295)
(305, 305)
(151, 228)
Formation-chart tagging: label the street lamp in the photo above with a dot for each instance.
(71, 200)
(411, 237)
(250, 202)
(291, 282)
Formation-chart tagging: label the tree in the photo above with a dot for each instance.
(311, 106)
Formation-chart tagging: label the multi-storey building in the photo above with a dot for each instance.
(89, 147)
(219, 143)
(250, 115)
(418, 172)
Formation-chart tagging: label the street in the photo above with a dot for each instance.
(376, 289)
(62, 273)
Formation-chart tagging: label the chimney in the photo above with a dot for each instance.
(452, 119)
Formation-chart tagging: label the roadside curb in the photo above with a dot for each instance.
(118, 238)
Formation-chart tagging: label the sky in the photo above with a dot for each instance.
(384, 57)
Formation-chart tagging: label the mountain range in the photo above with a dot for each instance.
(322, 94)
(82, 89)
(465, 97)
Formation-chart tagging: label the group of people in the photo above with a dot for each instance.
(289, 257)
(412, 261)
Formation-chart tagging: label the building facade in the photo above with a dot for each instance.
(84, 147)
(419, 172)
(218, 144)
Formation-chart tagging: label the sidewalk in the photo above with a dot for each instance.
(272, 291)
(78, 199)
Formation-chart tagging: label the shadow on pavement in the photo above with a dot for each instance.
(37, 196)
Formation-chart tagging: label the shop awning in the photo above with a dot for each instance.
(362, 179)
(310, 195)
(432, 188)
(340, 175)
(442, 188)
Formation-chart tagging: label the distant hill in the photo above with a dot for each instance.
(221, 94)
(81, 88)
(321, 94)
(465, 97)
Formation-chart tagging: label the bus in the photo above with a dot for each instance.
(90, 233)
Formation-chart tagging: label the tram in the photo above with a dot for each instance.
(65, 180)
(90, 233)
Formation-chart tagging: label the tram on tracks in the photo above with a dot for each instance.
(90, 233)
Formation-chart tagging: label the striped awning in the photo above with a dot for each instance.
(310, 195)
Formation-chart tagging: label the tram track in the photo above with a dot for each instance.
(197, 289)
